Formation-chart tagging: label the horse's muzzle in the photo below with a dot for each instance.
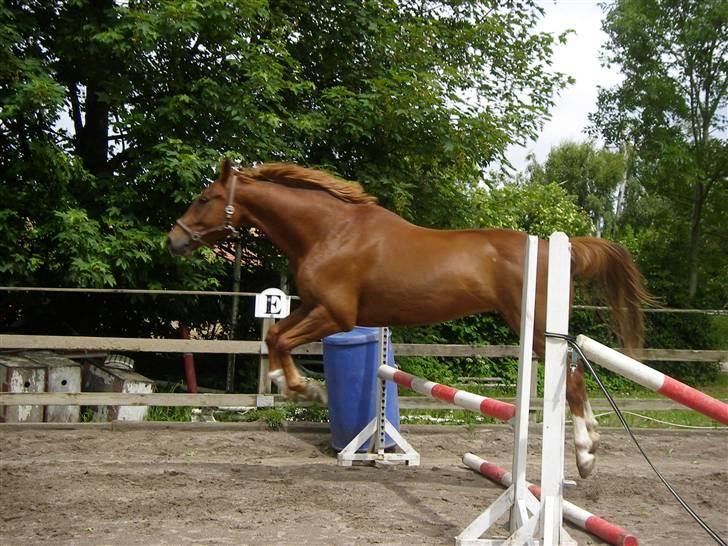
(179, 244)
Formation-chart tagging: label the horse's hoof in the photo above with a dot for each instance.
(279, 379)
(316, 392)
(585, 463)
(306, 390)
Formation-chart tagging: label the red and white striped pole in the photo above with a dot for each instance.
(613, 534)
(466, 400)
(653, 380)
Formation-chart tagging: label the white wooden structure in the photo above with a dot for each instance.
(532, 521)
(62, 375)
(109, 379)
(19, 375)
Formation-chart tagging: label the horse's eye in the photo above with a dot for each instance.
(202, 200)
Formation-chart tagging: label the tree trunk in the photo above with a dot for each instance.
(92, 132)
(93, 140)
(694, 245)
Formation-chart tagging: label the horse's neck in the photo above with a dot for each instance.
(294, 219)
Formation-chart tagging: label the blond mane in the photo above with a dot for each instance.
(301, 177)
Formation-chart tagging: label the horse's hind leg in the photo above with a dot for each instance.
(586, 437)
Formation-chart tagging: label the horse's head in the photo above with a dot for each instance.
(211, 217)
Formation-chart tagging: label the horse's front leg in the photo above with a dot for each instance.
(586, 437)
(302, 326)
(277, 374)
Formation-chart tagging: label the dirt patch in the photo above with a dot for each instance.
(232, 484)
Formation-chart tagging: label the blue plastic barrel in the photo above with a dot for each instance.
(351, 360)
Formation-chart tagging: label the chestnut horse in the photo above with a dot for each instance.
(356, 263)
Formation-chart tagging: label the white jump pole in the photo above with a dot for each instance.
(463, 399)
(653, 379)
(526, 378)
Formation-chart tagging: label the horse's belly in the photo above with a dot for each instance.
(412, 304)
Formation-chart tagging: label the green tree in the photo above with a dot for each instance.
(672, 106)
(115, 113)
(418, 97)
(538, 209)
(594, 176)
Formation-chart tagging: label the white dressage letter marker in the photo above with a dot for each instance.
(272, 303)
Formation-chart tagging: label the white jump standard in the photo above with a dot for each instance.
(379, 427)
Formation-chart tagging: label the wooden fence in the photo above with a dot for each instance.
(257, 347)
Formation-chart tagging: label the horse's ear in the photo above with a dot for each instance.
(225, 169)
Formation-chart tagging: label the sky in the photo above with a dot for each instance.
(579, 58)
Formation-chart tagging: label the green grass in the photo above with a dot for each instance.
(671, 419)
(169, 413)
(88, 416)
(718, 389)
(445, 417)
(274, 418)
(680, 417)
(663, 419)
(289, 412)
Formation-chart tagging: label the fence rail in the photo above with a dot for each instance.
(256, 347)
(88, 345)
(10, 342)
(250, 401)
(172, 292)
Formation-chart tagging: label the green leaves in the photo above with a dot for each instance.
(100, 254)
(539, 209)
(420, 96)
(591, 175)
(671, 107)
(29, 96)
(117, 113)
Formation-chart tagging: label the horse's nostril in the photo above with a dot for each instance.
(172, 246)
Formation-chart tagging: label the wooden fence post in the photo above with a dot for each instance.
(263, 379)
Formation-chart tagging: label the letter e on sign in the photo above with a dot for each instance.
(272, 303)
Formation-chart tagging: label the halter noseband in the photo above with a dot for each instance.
(227, 227)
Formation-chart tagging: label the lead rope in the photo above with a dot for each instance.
(571, 340)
